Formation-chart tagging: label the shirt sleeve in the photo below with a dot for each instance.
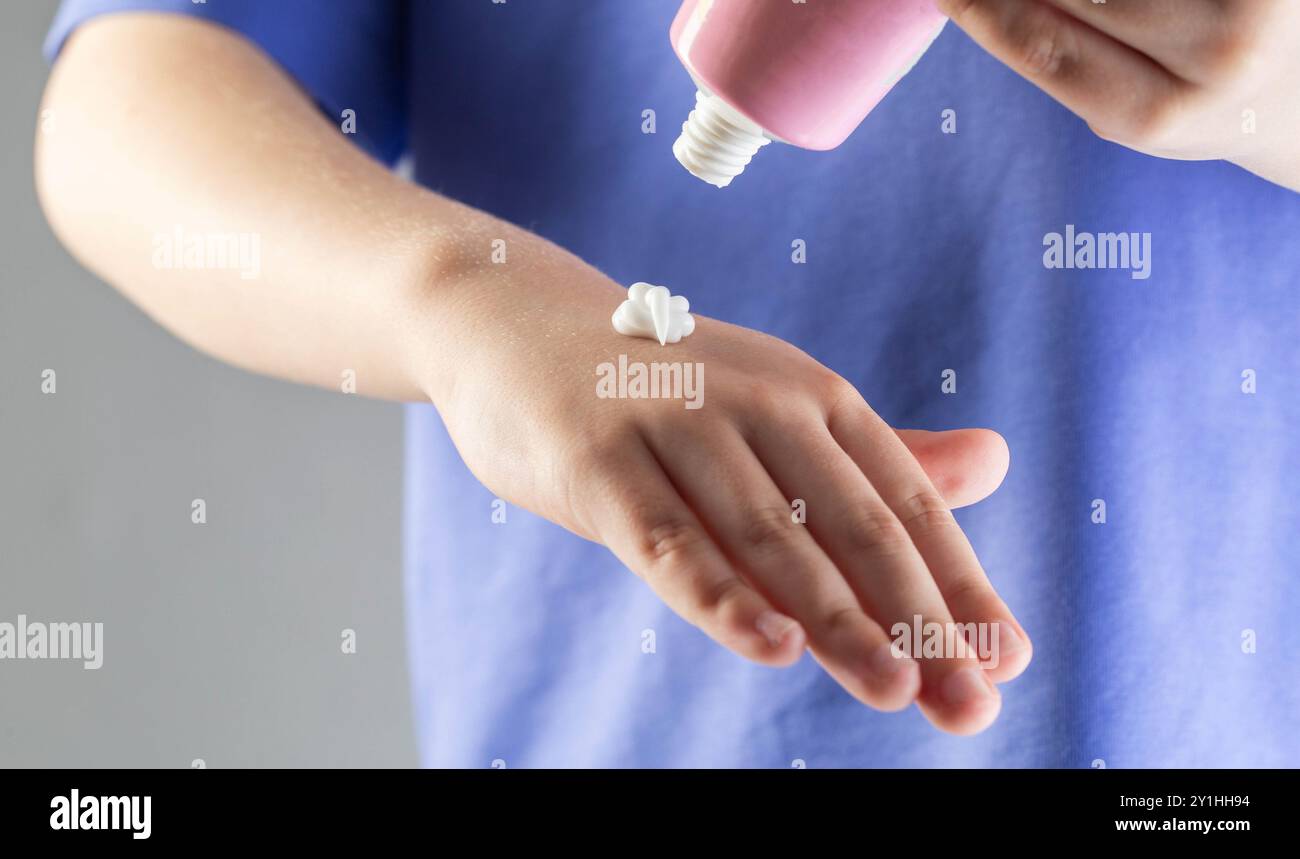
(346, 54)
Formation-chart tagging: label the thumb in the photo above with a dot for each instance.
(965, 465)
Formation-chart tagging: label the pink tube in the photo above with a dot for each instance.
(803, 73)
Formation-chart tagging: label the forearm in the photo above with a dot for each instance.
(165, 131)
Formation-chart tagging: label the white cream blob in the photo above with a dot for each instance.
(654, 313)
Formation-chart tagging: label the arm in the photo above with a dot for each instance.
(163, 121)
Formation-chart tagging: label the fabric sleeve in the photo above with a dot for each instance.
(346, 54)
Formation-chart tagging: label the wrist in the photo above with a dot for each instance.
(435, 285)
(480, 292)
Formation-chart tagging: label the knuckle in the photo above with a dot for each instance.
(840, 617)
(926, 513)
(837, 389)
(876, 531)
(1044, 46)
(838, 392)
(956, 9)
(668, 538)
(716, 596)
(769, 529)
(765, 398)
(966, 589)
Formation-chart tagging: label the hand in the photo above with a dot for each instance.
(698, 501)
(1187, 79)
(397, 285)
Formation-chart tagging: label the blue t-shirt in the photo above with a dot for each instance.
(1165, 635)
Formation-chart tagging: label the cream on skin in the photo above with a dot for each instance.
(654, 313)
(142, 133)
(140, 136)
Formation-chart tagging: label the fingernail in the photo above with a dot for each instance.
(888, 663)
(775, 627)
(966, 685)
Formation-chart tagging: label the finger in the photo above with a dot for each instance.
(724, 483)
(1120, 92)
(877, 557)
(1182, 35)
(961, 579)
(965, 465)
(648, 526)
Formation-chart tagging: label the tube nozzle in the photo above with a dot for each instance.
(717, 141)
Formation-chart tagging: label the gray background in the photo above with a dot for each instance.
(222, 641)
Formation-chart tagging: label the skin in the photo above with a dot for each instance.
(1171, 78)
(161, 121)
